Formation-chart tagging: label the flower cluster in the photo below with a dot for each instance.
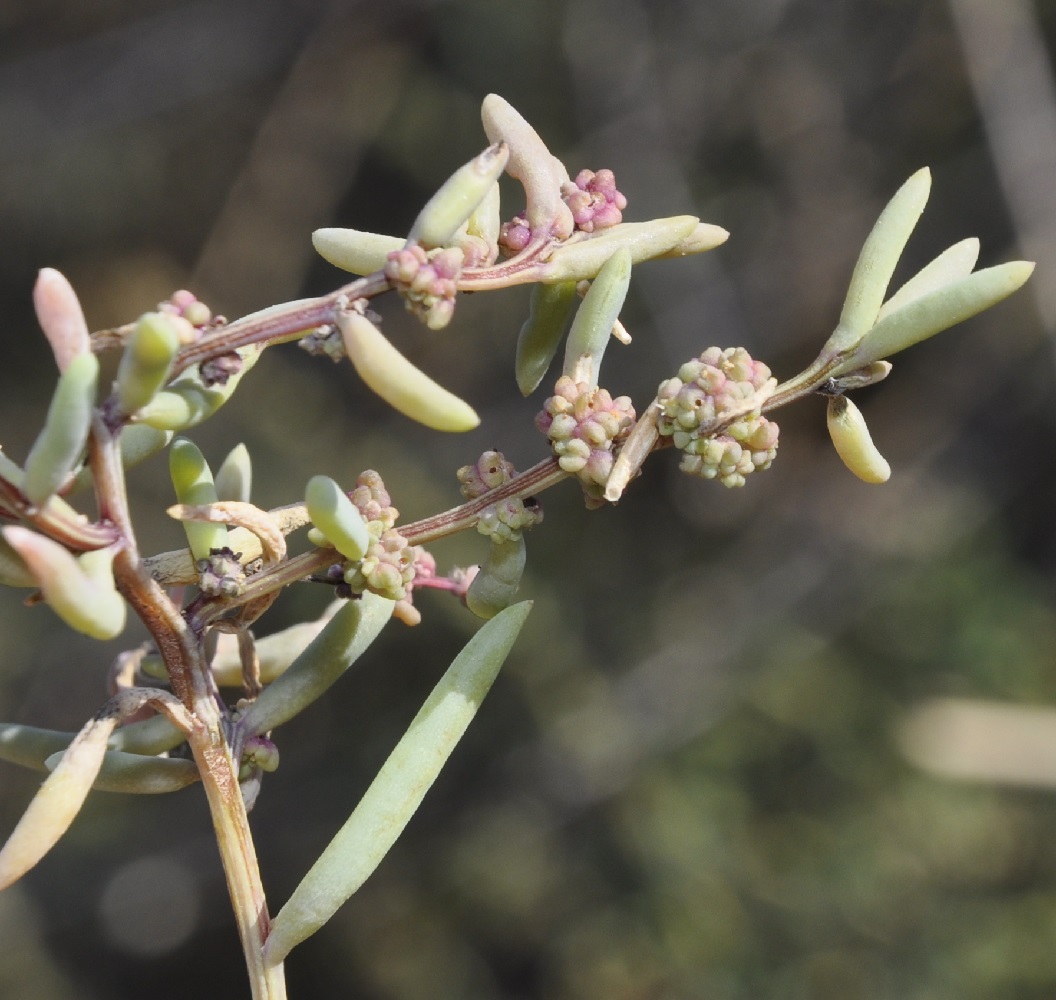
(490, 471)
(427, 281)
(389, 565)
(711, 411)
(583, 425)
(503, 521)
(594, 201)
(188, 314)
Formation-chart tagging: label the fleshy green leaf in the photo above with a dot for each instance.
(337, 517)
(549, 308)
(61, 442)
(595, 318)
(644, 240)
(56, 803)
(81, 592)
(341, 642)
(401, 784)
(876, 262)
(234, 478)
(403, 386)
(146, 361)
(192, 481)
(925, 316)
(352, 250)
(458, 197)
(953, 263)
(494, 587)
(134, 774)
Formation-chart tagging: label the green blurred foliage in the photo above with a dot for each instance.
(686, 784)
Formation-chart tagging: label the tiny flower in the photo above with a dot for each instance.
(515, 235)
(373, 500)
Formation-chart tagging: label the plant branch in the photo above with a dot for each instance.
(192, 682)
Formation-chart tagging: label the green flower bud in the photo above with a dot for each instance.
(494, 587)
(351, 250)
(928, 314)
(458, 197)
(81, 592)
(548, 311)
(337, 517)
(595, 318)
(60, 444)
(645, 240)
(146, 362)
(853, 443)
(192, 481)
(398, 382)
(234, 478)
(397, 791)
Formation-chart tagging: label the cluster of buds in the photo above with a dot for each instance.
(427, 281)
(388, 563)
(711, 412)
(489, 472)
(583, 425)
(503, 521)
(594, 201)
(188, 314)
(515, 235)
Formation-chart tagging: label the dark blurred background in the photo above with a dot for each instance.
(709, 769)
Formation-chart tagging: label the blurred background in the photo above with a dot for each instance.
(732, 756)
